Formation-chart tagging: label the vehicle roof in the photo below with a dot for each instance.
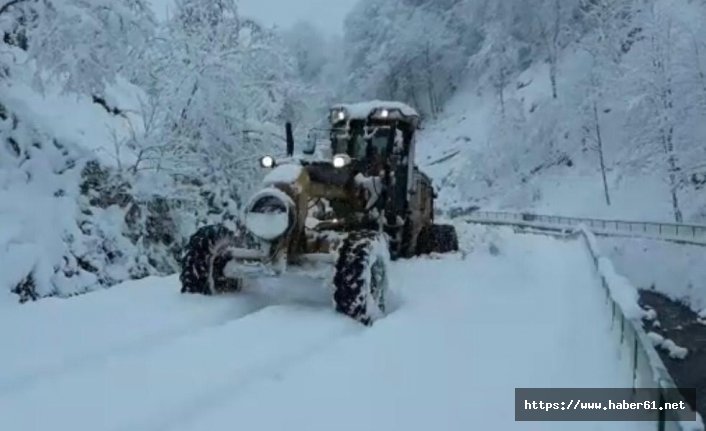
(362, 110)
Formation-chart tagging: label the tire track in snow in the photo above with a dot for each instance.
(243, 306)
(150, 390)
(233, 387)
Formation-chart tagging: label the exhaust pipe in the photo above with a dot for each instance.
(290, 139)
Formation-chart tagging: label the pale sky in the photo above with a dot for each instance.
(327, 15)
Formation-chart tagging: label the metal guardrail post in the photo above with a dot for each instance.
(634, 361)
(662, 415)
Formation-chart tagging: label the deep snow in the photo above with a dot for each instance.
(465, 331)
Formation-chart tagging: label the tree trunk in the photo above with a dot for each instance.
(675, 202)
(673, 178)
(552, 76)
(599, 141)
(501, 91)
(554, 48)
(699, 69)
(500, 88)
(667, 130)
(430, 82)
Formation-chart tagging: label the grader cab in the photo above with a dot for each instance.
(355, 204)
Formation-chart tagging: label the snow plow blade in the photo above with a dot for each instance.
(248, 263)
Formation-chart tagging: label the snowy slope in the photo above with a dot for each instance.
(466, 331)
(513, 161)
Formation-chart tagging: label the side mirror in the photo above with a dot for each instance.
(310, 147)
(326, 152)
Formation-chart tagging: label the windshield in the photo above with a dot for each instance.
(360, 146)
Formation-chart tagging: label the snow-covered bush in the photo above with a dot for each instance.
(69, 225)
(38, 207)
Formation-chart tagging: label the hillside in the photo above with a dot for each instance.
(530, 106)
(117, 149)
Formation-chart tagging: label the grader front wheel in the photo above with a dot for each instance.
(361, 278)
(204, 261)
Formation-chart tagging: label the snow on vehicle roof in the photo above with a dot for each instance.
(363, 109)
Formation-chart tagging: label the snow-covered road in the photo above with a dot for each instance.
(466, 332)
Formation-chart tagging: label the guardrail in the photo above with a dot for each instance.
(690, 233)
(648, 369)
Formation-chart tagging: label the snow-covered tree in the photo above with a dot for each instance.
(84, 44)
(552, 21)
(665, 110)
(308, 46)
(608, 22)
(387, 59)
(219, 88)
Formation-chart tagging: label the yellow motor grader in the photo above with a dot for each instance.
(356, 204)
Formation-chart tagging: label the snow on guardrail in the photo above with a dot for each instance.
(690, 233)
(648, 369)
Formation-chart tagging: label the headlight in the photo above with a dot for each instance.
(267, 161)
(341, 161)
(338, 114)
(387, 114)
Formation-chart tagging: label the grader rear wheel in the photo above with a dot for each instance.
(437, 238)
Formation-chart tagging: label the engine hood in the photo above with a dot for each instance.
(326, 173)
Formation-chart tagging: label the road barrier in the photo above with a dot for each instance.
(648, 369)
(688, 233)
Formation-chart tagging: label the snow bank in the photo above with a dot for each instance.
(79, 121)
(71, 221)
(39, 179)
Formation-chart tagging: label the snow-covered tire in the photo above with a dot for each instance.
(361, 278)
(437, 238)
(204, 260)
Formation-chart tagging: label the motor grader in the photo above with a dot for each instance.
(353, 205)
